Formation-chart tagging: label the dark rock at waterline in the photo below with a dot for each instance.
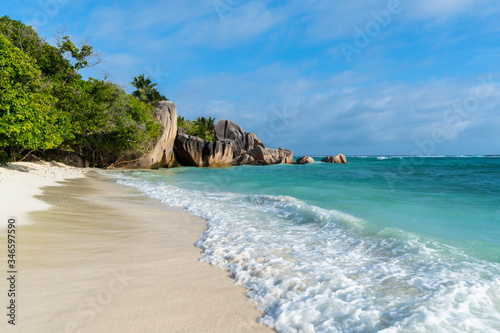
(340, 158)
(271, 156)
(247, 147)
(241, 141)
(243, 159)
(193, 151)
(304, 160)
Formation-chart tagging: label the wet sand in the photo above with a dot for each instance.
(103, 258)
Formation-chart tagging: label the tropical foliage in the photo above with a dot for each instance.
(201, 127)
(146, 90)
(46, 105)
(27, 117)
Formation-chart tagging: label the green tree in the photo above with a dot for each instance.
(205, 128)
(154, 97)
(106, 123)
(83, 57)
(201, 127)
(127, 126)
(45, 104)
(186, 124)
(146, 90)
(46, 57)
(143, 85)
(27, 117)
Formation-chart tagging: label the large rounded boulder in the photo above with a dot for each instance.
(193, 151)
(304, 160)
(241, 141)
(162, 155)
(340, 158)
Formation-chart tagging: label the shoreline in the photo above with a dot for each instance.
(20, 182)
(99, 257)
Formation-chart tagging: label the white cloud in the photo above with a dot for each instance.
(341, 112)
(329, 106)
(441, 8)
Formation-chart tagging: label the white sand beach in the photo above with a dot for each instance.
(95, 256)
(20, 182)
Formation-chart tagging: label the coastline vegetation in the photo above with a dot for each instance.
(201, 127)
(47, 106)
(146, 90)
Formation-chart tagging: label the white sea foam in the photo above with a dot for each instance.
(315, 270)
(389, 157)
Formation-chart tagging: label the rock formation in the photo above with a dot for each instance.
(233, 146)
(304, 160)
(270, 156)
(193, 151)
(243, 159)
(335, 159)
(241, 141)
(247, 148)
(162, 155)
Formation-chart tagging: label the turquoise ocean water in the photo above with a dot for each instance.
(382, 244)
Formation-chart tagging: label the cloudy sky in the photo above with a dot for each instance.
(314, 76)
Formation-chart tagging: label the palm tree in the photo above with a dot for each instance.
(205, 128)
(146, 90)
(143, 86)
(154, 96)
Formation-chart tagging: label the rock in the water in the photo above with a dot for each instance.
(304, 160)
(340, 158)
(247, 148)
(193, 151)
(162, 155)
(243, 159)
(271, 156)
(241, 141)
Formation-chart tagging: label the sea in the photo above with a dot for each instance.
(381, 244)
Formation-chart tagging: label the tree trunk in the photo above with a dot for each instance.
(12, 153)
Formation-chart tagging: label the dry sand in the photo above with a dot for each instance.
(102, 258)
(20, 182)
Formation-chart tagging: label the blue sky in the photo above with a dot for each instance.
(314, 76)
